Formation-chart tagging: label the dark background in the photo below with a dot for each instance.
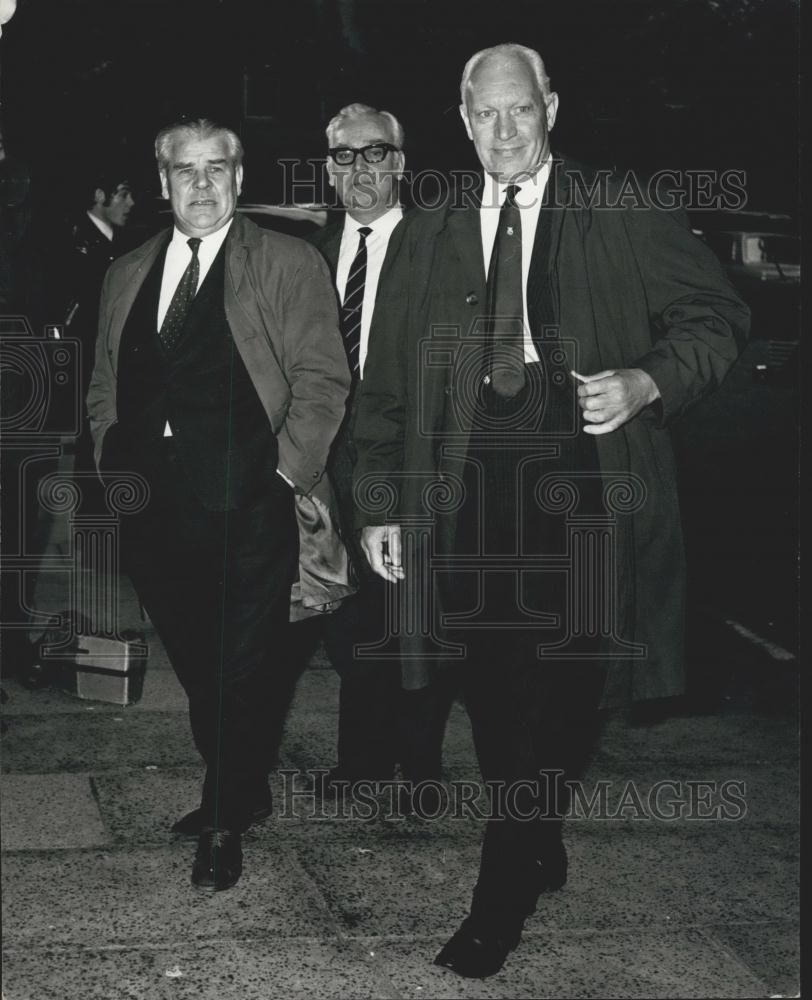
(645, 84)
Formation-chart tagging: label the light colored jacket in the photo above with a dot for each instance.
(281, 309)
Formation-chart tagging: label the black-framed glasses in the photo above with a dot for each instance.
(344, 156)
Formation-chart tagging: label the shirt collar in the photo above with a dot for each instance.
(382, 226)
(104, 227)
(211, 242)
(531, 189)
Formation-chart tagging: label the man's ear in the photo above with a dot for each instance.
(331, 180)
(164, 185)
(467, 120)
(238, 177)
(99, 197)
(400, 163)
(551, 107)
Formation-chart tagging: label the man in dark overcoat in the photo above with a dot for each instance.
(533, 339)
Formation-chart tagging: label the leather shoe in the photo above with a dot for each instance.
(551, 868)
(218, 860)
(193, 824)
(477, 951)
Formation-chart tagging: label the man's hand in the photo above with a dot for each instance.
(610, 398)
(381, 545)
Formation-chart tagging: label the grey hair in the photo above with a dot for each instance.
(345, 115)
(200, 128)
(530, 56)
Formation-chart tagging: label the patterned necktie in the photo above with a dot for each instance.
(505, 305)
(354, 301)
(172, 326)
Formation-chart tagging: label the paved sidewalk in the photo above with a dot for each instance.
(97, 903)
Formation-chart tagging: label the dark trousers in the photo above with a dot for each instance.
(370, 688)
(380, 724)
(216, 585)
(534, 724)
(534, 720)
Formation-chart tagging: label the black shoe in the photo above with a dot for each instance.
(193, 824)
(218, 860)
(551, 868)
(477, 951)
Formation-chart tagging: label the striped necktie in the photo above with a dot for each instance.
(354, 301)
(175, 318)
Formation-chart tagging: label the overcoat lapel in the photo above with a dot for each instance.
(551, 219)
(331, 249)
(464, 229)
(129, 284)
(463, 234)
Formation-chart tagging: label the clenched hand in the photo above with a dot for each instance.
(608, 399)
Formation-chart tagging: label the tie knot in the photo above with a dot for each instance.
(364, 231)
(194, 242)
(510, 194)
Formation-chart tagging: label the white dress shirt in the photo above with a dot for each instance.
(377, 242)
(178, 255)
(528, 199)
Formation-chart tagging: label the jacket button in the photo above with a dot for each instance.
(471, 299)
(315, 475)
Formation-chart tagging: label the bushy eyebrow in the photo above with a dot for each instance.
(188, 163)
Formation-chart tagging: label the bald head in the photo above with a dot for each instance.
(507, 113)
(504, 52)
(7, 8)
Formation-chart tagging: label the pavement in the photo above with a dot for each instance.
(683, 870)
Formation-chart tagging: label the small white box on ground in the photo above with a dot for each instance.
(110, 670)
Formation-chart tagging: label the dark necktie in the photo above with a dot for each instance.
(172, 326)
(505, 306)
(354, 301)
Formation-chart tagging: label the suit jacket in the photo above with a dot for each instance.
(280, 307)
(633, 288)
(328, 242)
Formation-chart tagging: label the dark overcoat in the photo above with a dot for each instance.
(632, 288)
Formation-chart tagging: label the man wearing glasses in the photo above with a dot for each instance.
(379, 724)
